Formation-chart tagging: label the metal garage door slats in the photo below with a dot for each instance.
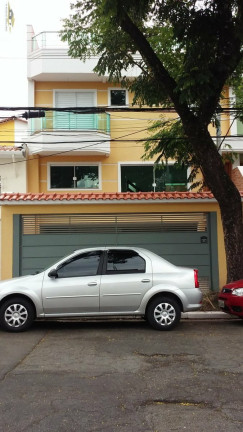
(114, 223)
(182, 238)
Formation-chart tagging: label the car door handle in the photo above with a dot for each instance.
(92, 283)
(145, 280)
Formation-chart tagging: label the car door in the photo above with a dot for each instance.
(73, 287)
(127, 275)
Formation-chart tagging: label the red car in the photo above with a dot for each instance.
(231, 298)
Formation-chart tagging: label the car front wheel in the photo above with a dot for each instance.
(163, 313)
(16, 314)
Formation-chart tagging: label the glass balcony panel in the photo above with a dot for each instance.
(56, 120)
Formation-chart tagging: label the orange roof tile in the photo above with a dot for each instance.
(6, 119)
(91, 197)
(10, 148)
(29, 198)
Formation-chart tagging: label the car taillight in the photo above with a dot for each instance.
(196, 279)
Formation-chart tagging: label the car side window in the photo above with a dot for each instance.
(124, 261)
(86, 264)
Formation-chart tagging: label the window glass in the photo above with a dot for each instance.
(137, 178)
(239, 125)
(87, 177)
(118, 97)
(82, 265)
(175, 178)
(62, 177)
(124, 261)
(147, 178)
(74, 177)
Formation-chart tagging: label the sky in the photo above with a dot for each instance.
(43, 15)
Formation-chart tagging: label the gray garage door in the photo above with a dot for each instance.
(186, 239)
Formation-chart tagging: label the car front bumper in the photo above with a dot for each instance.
(231, 304)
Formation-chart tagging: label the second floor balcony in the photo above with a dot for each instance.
(82, 134)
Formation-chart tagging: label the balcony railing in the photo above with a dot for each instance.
(49, 40)
(56, 120)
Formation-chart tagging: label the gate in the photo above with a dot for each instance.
(185, 239)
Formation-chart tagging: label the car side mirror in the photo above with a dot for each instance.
(53, 273)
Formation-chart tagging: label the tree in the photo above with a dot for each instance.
(189, 50)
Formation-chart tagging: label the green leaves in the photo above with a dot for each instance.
(168, 142)
(93, 30)
(186, 52)
(197, 42)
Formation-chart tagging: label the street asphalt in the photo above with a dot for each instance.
(121, 375)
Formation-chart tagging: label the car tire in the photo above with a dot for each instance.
(16, 314)
(163, 313)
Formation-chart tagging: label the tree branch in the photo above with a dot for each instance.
(168, 84)
(228, 53)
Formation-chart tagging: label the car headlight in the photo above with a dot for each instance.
(238, 292)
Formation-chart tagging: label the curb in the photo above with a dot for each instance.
(206, 315)
(195, 315)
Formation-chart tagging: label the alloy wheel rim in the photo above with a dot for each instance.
(164, 314)
(16, 315)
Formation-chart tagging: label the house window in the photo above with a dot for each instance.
(148, 178)
(71, 120)
(118, 97)
(74, 177)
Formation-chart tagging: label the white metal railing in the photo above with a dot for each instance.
(50, 39)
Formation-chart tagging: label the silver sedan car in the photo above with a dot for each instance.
(99, 282)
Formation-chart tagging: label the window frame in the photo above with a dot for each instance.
(57, 91)
(109, 96)
(76, 90)
(73, 164)
(136, 163)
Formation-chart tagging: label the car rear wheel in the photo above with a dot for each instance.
(16, 314)
(163, 313)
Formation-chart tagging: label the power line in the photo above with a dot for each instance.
(91, 144)
(113, 140)
(68, 151)
(104, 109)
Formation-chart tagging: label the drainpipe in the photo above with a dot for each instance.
(14, 164)
(154, 178)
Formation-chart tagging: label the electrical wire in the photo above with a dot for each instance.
(68, 151)
(111, 140)
(79, 148)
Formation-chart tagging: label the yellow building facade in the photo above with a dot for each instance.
(105, 207)
(88, 183)
(7, 132)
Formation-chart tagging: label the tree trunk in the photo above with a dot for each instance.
(226, 194)
(209, 160)
(233, 238)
